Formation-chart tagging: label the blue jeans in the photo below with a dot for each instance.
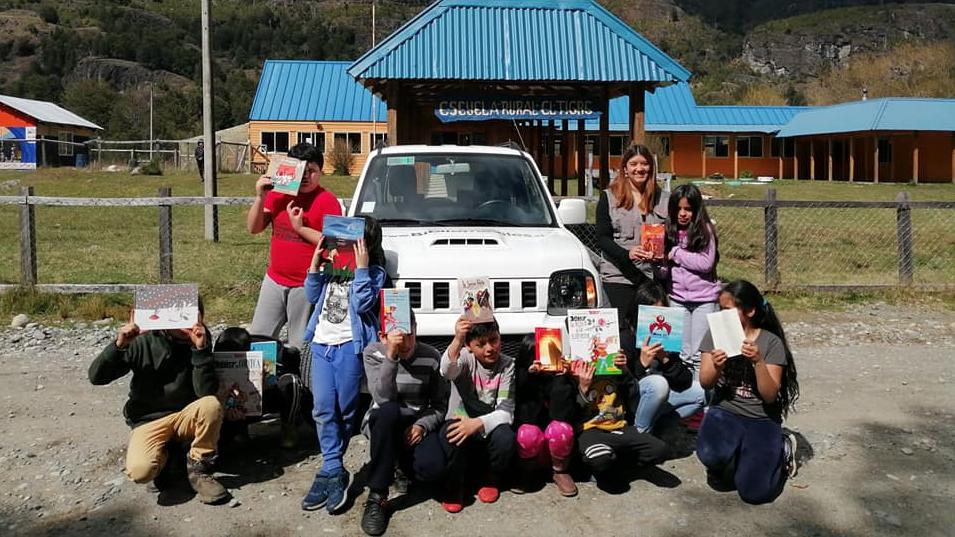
(751, 450)
(656, 398)
(336, 381)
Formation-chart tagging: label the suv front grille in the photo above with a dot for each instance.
(507, 295)
(442, 295)
(502, 295)
(414, 292)
(529, 294)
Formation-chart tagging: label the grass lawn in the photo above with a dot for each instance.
(120, 245)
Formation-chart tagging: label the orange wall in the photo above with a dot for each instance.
(328, 127)
(12, 118)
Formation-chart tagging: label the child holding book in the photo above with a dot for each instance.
(477, 433)
(344, 289)
(664, 383)
(741, 440)
(692, 256)
(546, 409)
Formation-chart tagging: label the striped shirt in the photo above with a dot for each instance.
(414, 383)
(478, 391)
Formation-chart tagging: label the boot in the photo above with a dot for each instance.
(563, 480)
(200, 479)
(524, 480)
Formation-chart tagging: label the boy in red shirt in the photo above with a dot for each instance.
(296, 228)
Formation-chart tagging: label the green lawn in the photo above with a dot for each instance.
(120, 245)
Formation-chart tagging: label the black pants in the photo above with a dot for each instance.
(289, 397)
(623, 297)
(437, 459)
(387, 427)
(202, 170)
(600, 449)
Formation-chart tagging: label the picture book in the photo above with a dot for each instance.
(345, 229)
(653, 238)
(161, 307)
(395, 310)
(474, 296)
(727, 331)
(661, 325)
(286, 174)
(270, 360)
(240, 381)
(595, 337)
(549, 348)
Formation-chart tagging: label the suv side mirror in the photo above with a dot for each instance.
(572, 211)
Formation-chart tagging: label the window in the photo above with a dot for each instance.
(782, 147)
(444, 138)
(353, 139)
(315, 138)
(716, 146)
(749, 146)
(375, 138)
(617, 145)
(65, 149)
(885, 151)
(275, 142)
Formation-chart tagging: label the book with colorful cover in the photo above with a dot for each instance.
(474, 297)
(240, 381)
(661, 325)
(549, 348)
(653, 238)
(595, 337)
(395, 310)
(270, 360)
(344, 229)
(726, 331)
(162, 307)
(286, 174)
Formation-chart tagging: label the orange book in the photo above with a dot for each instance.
(653, 238)
(549, 350)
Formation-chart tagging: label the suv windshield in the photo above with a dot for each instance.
(453, 189)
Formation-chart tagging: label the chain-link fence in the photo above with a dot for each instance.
(170, 154)
(838, 244)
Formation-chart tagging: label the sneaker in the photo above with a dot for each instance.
(317, 495)
(338, 491)
(200, 479)
(402, 482)
(565, 484)
(453, 501)
(374, 518)
(789, 454)
(489, 493)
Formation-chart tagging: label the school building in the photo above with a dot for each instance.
(38, 133)
(573, 84)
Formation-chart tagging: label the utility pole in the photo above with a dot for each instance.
(374, 105)
(209, 171)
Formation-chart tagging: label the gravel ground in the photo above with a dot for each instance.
(877, 441)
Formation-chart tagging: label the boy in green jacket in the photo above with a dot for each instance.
(172, 397)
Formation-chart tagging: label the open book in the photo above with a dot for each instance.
(726, 331)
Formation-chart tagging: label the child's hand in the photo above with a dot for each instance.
(751, 352)
(198, 335)
(584, 372)
(127, 333)
(393, 341)
(296, 216)
(361, 254)
(719, 358)
(263, 185)
(671, 254)
(414, 435)
(461, 329)
(462, 429)
(317, 258)
(649, 353)
(534, 368)
(620, 362)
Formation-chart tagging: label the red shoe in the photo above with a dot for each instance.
(453, 501)
(488, 493)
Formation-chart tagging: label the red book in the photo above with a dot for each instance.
(549, 351)
(652, 238)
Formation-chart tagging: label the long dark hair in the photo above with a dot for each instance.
(700, 231)
(738, 371)
(376, 254)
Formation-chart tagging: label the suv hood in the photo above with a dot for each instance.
(428, 253)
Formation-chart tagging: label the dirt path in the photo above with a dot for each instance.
(876, 416)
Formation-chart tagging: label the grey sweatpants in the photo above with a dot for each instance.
(277, 306)
(694, 328)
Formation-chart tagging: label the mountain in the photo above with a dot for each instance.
(101, 58)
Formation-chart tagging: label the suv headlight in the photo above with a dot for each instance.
(571, 289)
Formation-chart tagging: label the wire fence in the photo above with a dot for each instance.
(170, 154)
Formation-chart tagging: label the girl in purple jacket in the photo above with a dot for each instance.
(692, 255)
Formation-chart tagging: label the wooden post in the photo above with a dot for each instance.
(795, 159)
(564, 155)
(672, 139)
(915, 158)
(735, 156)
(875, 159)
(953, 157)
(771, 230)
(582, 157)
(27, 240)
(605, 140)
(165, 238)
(394, 112)
(781, 147)
(829, 157)
(812, 160)
(852, 159)
(903, 231)
(638, 133)
(703, 157)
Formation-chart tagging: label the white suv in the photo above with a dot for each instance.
(459, 211)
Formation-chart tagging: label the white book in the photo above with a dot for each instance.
(727, 331)
(240, 381)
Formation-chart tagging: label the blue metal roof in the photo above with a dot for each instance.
(529, 40)
(312, 91)
(887, 114)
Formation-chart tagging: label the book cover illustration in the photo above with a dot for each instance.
(662, 325)
(344, 229)
(286, 174)
(161, 307)
(595, 337)
(270, 360)
(395, 310)
(652, 238)
(240, 381)
(549, 349)
(726, 331)
(474, 296)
